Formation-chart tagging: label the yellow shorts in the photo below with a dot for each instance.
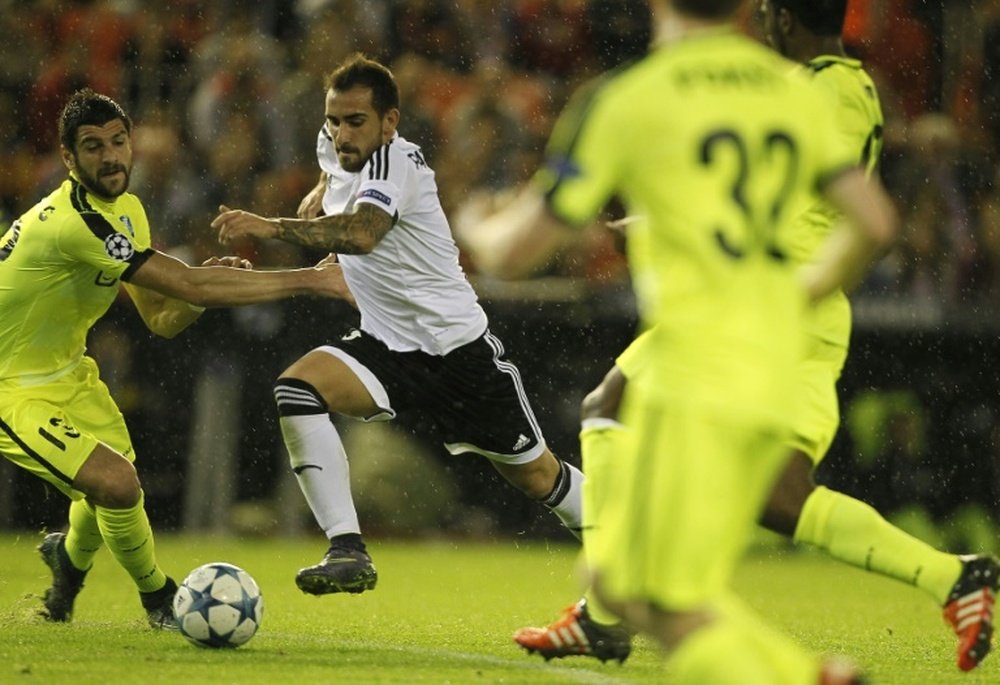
(51, 429)
(818, 409)
(682, 503)
(818, 414)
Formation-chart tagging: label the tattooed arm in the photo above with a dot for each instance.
(355, 233)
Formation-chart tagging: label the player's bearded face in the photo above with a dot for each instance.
(108, 181)
(356, 127)
(102, 159)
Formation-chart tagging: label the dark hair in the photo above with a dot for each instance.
(620, 30)
(707, 9)
(87, 108)
(358, 70)
(822, 17)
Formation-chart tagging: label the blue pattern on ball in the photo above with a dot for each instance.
(218, 605)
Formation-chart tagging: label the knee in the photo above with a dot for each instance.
(294, 395)
(119, 488)
(297, 374)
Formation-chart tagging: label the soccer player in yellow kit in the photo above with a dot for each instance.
(718, 148)
(61, 264)
(807, 31)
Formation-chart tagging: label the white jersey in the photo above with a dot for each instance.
(411, 290)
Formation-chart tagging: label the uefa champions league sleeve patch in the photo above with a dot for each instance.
(119, 247)
(376, 195)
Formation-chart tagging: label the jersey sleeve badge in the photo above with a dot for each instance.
(119, 247)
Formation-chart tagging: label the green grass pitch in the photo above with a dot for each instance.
(443, 612)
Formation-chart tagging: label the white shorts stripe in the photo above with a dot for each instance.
(515, 375)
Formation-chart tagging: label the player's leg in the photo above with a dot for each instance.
(71, 434)
(757, 650)
(965, 586)
(855, 533)
(119, 506)
(663, 561)
(321, 382)
(116, 506)
(602, 438)
(554, 483)
(479, 400)
(586, 628)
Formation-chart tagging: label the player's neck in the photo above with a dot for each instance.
(819, 45)
(672, 26)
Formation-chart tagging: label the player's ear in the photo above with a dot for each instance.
(389, 123)
(67, 158)
(785, 21)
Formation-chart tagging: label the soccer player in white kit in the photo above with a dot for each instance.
(423, 340)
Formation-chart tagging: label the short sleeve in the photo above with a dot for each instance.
(835, 151)
(92, 239)
(852, 112)
(582, 159)
(383, 180)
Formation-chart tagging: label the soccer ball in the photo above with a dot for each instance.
(218, 605)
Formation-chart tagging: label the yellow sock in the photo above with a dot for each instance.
(84, 536)
(600, 443)
(739, 649)
(130, 540)
(854, 532)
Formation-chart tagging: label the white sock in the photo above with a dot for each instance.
(318, 459)
(565, 500)
(316, 455)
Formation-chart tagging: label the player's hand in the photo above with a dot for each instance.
(230, 261)
(234, 224)
(312, 204)
(333, 272)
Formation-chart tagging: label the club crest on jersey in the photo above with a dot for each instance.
(128, 224)
(376, 195)
(119, 247)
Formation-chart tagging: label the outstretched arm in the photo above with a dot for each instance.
(224, 286)
(167, 316)
(357, 232)
(517, 240)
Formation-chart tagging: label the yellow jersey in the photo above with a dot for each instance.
(857, 113)
(719, 146)
(60, 267)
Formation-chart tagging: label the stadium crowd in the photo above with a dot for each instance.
(224, 96)
(482, 83)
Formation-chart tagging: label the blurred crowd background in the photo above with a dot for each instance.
(227, 99)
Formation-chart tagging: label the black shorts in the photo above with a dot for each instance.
(474, 393)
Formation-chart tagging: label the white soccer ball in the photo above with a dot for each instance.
(218, 605)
